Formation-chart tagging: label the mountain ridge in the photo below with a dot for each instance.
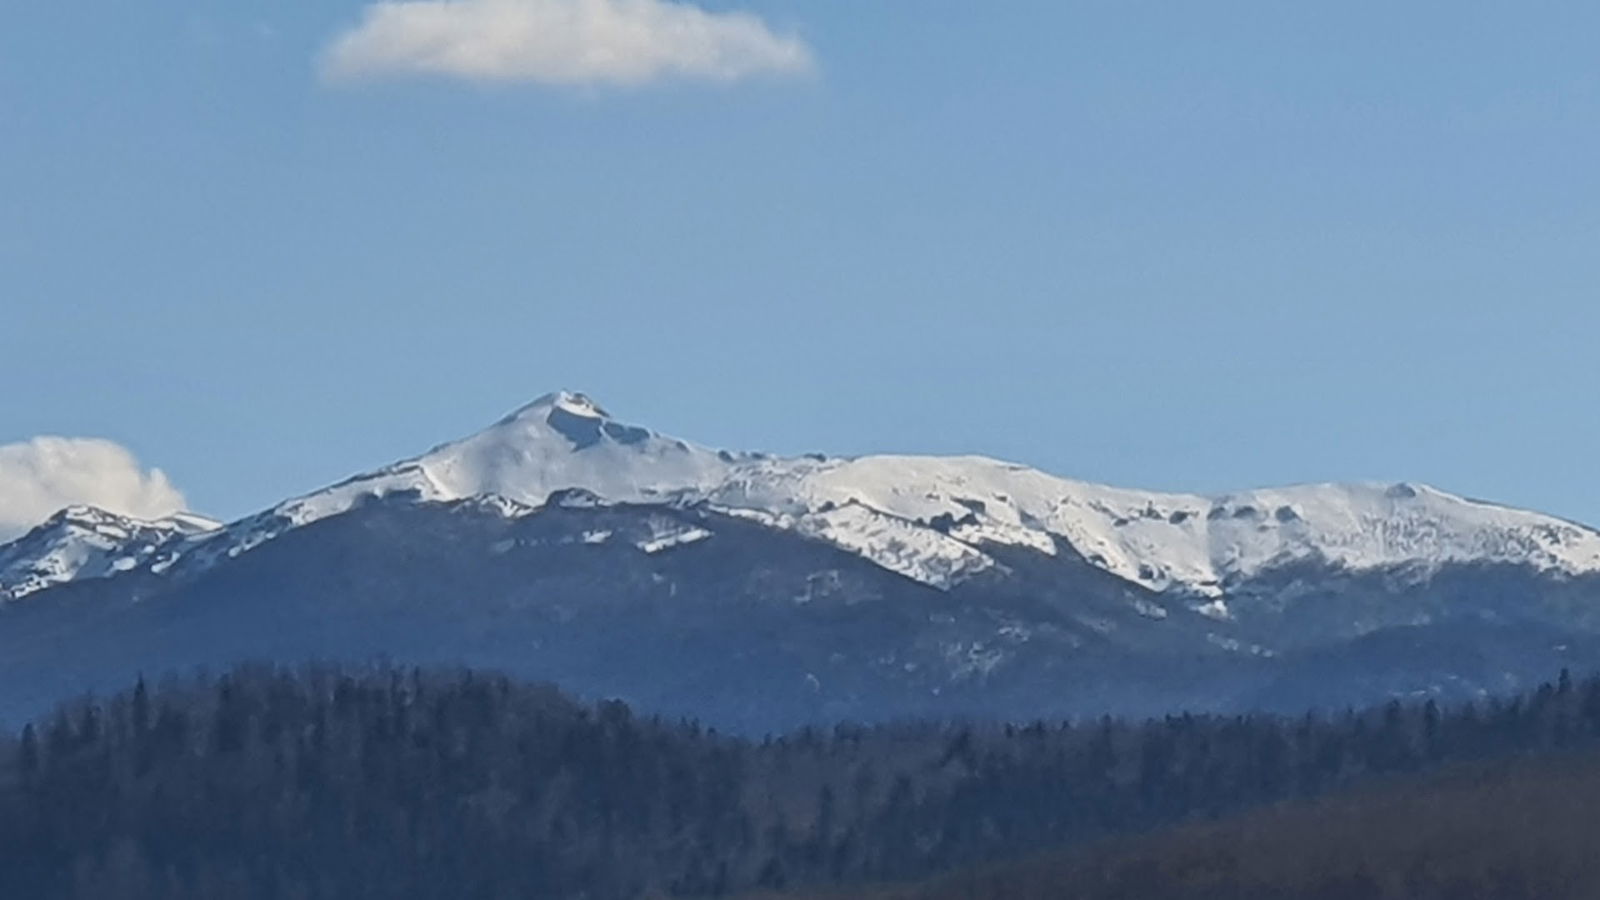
(930, 519)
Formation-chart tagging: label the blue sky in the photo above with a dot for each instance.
(1170, 245)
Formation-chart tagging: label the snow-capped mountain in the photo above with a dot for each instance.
(85, 542)
(763, 591)
(931, 518)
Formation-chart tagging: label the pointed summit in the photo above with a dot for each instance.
(574, 416)
(570, 402)
(561, 441)
(579, 405)
(566, 440)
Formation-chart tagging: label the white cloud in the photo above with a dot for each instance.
(561, 42)
(40, 477)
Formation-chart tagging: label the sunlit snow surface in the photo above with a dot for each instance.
(84, 542)
(936, 519)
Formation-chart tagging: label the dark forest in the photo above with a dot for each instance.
(325, 783)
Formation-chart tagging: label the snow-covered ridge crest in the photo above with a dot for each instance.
(930, 518)
(938, 519)
(88, 542)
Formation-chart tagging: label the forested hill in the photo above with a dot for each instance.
(270, 784)
(1512, 830)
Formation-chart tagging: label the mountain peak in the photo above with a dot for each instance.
(573, 403)
(571, 415)
(80, 514)
(560, 441)
(91, 518)
(83, 541)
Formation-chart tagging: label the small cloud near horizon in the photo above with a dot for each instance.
(42, 476)
(561, 42)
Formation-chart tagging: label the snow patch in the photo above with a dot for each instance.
(668, 540)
